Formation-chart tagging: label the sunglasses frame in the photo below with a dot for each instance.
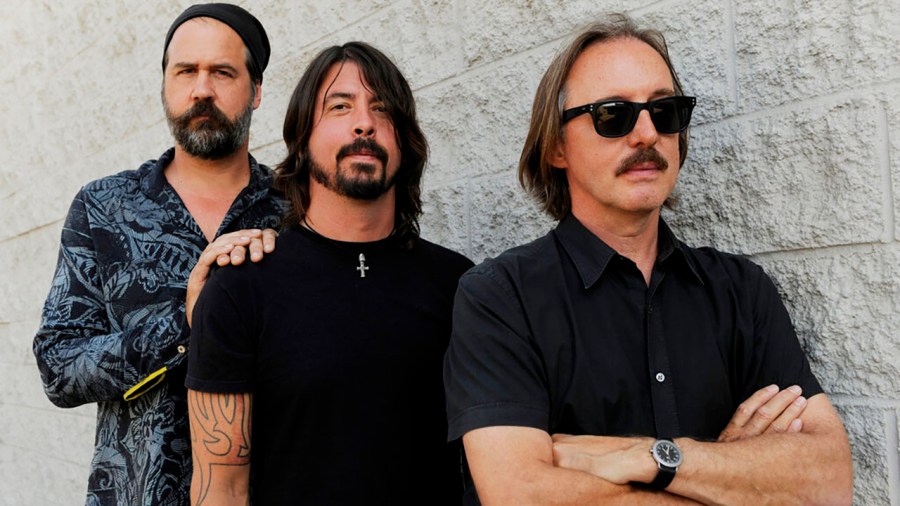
(636, 107)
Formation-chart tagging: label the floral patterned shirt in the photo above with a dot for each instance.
(114, 327)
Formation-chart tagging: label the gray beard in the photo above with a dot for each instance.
(214, 139)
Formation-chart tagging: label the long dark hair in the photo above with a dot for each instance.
(385, 81)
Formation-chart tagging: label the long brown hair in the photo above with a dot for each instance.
(385, 81)
(547, 184)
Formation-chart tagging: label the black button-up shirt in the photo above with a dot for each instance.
(564, 335)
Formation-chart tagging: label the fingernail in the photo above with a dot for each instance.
(800, 401)
(772, 388)
(797, 390)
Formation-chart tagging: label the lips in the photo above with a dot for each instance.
(646, 166)
(363, 147)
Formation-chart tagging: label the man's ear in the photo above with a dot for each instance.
(558, 156)
(258, 97)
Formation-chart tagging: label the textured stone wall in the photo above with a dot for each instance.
(794, 160)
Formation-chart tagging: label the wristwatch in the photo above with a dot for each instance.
(668, 456)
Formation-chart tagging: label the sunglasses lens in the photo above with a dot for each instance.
(670, 115)
(614, 119)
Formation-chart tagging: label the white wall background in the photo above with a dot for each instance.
(794, 160)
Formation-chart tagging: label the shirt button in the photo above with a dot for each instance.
(660, 377)
(182, 349)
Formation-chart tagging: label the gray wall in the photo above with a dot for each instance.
(794, 160)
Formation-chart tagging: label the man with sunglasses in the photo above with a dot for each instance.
(608, 361)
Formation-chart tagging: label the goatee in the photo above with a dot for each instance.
(362, 181)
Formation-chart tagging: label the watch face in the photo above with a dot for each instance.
(666, 453)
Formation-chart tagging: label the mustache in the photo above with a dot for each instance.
(642, 156)
(363, 145)
(214, 115)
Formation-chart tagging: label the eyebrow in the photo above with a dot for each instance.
(336, 95)
(215, 66)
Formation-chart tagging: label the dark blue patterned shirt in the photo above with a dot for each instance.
(115, 317)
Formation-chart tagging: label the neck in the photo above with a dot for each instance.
(633, 235)
(344, 219)
(212, 176)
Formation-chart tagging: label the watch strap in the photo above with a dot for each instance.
(663, 477)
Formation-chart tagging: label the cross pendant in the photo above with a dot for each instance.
(362, 266)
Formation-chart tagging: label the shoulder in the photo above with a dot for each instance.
(289, 247)
(516, 265)
(715, 266)
(125, 182)
(440, 260)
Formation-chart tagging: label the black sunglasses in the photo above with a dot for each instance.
(616, 118)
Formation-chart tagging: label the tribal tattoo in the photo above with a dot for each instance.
(220, 438)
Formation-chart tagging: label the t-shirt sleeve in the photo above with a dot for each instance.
(777, 355)
(221, 355)
(493, 373)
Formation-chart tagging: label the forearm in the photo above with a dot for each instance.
(225, 493)
(220, 447)
(81, 364)
(773, 468)
(515, 465)
(546, 484)
(808, 467)
(102, 331)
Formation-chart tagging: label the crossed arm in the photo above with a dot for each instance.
(220, 445)
(779, 448)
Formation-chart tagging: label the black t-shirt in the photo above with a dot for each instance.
(345, 370)
(564, 335)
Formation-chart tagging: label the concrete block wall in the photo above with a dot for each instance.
(794, 161)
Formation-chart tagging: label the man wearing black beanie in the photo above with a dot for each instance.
(114, 329)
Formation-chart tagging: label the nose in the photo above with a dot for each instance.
(644, 132)
(364, 122)
(203, 88)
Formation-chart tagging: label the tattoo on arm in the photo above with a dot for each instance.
(220, 438)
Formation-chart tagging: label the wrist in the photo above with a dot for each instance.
(668, 457)
(648, 466)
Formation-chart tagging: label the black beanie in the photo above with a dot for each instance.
(241, 21)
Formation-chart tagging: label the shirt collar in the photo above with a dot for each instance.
(153, 178)
(591, 255)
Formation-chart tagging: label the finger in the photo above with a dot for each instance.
(791, 412)
(796, 426)
(238, 254)
(256, 249)
(268, 238)
(212, 252)
(771, 410)
(749, 407)
(248, 233)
